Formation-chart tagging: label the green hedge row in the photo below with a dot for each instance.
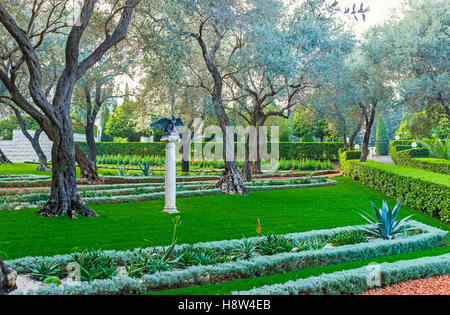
(356, 280)
(257, 266)
(288, 150)
(404, 155)
(418, 189)
(127, 148)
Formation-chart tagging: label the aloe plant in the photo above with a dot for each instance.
(386, 227)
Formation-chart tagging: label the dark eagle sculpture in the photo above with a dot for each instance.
(167, 124)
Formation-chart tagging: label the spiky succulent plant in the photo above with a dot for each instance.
(386, 227)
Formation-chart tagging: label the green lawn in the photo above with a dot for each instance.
(28, 168)
(127, 226)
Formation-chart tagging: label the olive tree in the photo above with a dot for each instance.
(27, 34)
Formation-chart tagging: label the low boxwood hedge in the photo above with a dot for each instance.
(356, 280)
(419, 189)
(257, 266)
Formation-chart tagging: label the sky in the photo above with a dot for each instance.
(380, 10)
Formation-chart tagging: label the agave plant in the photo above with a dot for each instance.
(146, 169)
(386, 227)
(438, 148)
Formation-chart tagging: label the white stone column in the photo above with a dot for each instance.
(171, 173)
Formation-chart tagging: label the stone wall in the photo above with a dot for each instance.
(19, 149)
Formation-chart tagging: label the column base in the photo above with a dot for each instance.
(171, 210)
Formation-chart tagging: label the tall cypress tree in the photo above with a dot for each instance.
(381, 144)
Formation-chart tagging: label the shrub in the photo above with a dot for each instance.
(421, 190)
(348, 238)
(381, 144)
(404, 155)
(438, 149)
(288, 150)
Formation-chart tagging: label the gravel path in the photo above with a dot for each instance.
(430, 286)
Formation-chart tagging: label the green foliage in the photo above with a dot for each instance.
(246, 250)
(146, 169)
(421, 190)
(11, 123)
(438, 148)
(418, 158)
(94, 264)
(227, 270)
(52, 280)
(310, 150)
(274, 244)
(348, 238)
(306, 126)
(288, 150)
(45, 270)
(104, 120)
(387, 227)
(127, 148)
(382, 143)
(122, 122)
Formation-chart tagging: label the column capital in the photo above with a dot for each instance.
(172, 137)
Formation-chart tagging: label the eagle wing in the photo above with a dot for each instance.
(161, 123)
(178, 122)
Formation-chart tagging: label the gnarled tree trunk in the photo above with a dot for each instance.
(90, 139)
(3, 158)
(64, 197)
(369, 117)
(7, 279)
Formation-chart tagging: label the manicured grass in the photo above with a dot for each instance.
(28, 168)
(250, 283)
(209, 218)
(418, 173)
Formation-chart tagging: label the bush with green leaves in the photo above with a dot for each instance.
(439, 149)
(386, 227)
(44, 270)
(94, 264)
(381, 142)
(348, 238)
(419, 189)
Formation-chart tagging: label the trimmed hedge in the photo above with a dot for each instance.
(421, 190)
(419, 158)
(127, 148)
(345, 156)
(356, 280)
(288, 150)
(257, 266)
(310, 150)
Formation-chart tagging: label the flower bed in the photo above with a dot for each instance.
(356, 280)
(300, 251)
